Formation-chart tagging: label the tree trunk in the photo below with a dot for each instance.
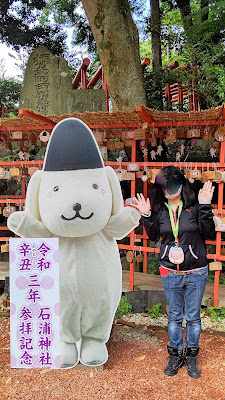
(156, 35)
(185, 12)
(205, 10)
(117, 41)
(156, 53)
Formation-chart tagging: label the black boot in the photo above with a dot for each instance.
(190, 359)
(176, 361)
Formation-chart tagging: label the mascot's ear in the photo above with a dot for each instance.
(117, 198)
(32, 197)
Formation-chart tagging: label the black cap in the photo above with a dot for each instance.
(72, 147)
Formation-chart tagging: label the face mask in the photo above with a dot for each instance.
(174, 195)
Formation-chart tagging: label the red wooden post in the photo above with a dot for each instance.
(81, 74)
(145, 192)
(218, 236)
(146, 61)
(105, 88)
(180, 98)
(195, 101)
(133, 158)
(168, 95)
(83, 79)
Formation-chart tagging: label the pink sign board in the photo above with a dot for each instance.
(34, 303)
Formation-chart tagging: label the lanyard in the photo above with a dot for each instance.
(175, 229)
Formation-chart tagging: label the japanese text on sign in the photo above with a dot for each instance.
(34, 303)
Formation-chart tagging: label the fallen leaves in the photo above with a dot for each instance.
(140, 358)
(92, 374)
(106, 386)
(126, 323)
(45, 370)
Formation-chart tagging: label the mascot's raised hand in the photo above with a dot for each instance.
(76, 198)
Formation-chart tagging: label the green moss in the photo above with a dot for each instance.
(105, 44)
(98, 20)
(124, 6)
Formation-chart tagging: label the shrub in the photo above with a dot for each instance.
(123, 308)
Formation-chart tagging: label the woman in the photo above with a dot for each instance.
(183, 225)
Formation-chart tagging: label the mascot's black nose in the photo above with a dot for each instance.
(77, 207)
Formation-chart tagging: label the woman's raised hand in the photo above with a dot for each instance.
(142, 205)
(206, 193)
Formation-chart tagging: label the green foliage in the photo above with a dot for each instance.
(9, 93)
(216, 313)
(153, 266)
(198, 42)
(154, 312)
(211, 278)
(22, 24)
(123, 308)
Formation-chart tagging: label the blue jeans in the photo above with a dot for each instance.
(184, 295)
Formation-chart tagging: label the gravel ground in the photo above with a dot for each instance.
(137, 355)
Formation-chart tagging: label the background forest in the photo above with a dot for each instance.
(118, 34)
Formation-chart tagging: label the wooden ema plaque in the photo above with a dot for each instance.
(171, 135)
(2, 173)
(220, 134)
(155, 131)
(17, 135)
(5, 248)
(193, 133)
(99, 137)
(209, 175)
(127, 176)
(207, 133)
(144, 125)
(7, 211)
(128, 143)
(139, 134)
(130, 256)
(133, 167)
(110, 145)
(130, 135)
(44, 136)
(32, 170)
(195, 173)
(215, 266)
(219, 176)
(7, 174)
(119, 145)
(14, 171)
(140, 258)
(152, 173)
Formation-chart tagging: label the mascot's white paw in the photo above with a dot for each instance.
(93, 352)
(68, 355)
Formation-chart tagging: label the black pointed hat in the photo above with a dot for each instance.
(72, 146)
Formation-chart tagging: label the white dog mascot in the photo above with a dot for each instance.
(79, 200)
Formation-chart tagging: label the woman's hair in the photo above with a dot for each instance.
(168, 175)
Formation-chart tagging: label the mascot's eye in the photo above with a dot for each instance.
(95, 186)
(56, 188)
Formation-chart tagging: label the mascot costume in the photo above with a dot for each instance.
(79, 200)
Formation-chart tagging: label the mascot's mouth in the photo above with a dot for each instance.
(77, 215)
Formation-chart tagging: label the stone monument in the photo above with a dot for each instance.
(47, 87)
